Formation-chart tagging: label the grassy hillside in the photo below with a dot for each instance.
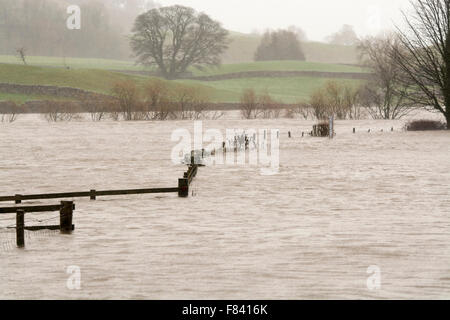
(278, 66)
(76, 63)
(287, 90)
(100, 81)
(242, 48)
(87, 79)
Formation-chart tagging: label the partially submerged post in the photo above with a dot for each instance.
(192, 157)
(18, 198)
(65, 216)
(20, 228)
(331, 127)
(183, 188)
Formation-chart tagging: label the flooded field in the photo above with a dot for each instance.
(336, 210)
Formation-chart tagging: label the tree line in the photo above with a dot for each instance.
(39, 27)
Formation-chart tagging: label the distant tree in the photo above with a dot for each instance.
(386, 94)
(22, 55)
(299, 32)
(40, 27)
(279, 45)
(346, 36)
(424, 56)
(175, 38)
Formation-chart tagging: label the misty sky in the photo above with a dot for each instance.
(319, 18)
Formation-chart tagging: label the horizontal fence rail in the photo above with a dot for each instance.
(66, 208)
(88, 194)
(93, 194)
(50, 208)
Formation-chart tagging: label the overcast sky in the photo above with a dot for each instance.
(319, 18)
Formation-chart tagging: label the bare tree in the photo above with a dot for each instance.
(424, 56)
(336, 99)
(386, 95)
(249, 104)
(189, 102)
(57, 111)
(157, 99)
(21, 52)
(10, 112)
(127, 96)
(346, 36)
(175, 38)
(279, 45)
(96, 108)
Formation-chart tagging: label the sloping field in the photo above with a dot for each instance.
(87, 79)
(280, 66)
(286, 89)
(74, 63)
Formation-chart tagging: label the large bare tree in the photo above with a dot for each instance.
(424, 56)
(386, 94)
(175, 38)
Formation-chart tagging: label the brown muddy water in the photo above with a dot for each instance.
(336, 210)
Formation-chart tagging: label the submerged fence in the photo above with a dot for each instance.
(66, 208)
(65, 226)
(93, 194)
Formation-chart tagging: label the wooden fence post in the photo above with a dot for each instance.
(20, 228)
(65, 216)
(354, 130)
(93, 195)
(192, 157)
(183, 188)
(18, 198)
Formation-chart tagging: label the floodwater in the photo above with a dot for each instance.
(362, 216)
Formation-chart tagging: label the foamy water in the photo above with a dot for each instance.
(335, 208)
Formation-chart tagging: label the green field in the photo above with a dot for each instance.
(286, 90)
(95, 75)
(76, 63)
(278, 66)
(87, 79)
(100, 81)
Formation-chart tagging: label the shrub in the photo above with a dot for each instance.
(336, 99)
(188, 102)
(127, 97)
(10, 112)
(249, 104)
(57, 111)
(157, 99)
(322, 129)
(425, 125)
